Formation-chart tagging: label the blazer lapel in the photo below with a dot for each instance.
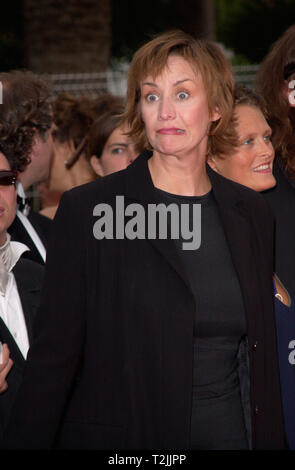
(234, 216)
(6, 337)
(238, 231)
(139, 187)
(29, 293)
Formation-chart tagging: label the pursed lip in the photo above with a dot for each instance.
(170, 131)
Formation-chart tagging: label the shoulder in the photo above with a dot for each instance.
(29, 272)
(41, 220)
(233, 192)
(102, 188)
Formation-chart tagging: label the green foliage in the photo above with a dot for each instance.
(249, 27)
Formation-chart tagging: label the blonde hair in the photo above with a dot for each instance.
(205, 57)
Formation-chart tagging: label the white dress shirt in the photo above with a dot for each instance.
(11, 310)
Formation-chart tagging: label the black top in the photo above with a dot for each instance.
(220, 324)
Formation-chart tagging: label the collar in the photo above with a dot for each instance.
(22, 201)
(10, 253)
(140, 187)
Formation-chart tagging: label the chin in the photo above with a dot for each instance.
(265, 186)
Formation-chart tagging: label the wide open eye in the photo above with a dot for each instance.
(182, 95)
(151, 97)
(117, 150)
(247, 141)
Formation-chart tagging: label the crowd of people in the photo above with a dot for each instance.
(114, 332)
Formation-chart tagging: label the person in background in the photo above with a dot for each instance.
(148, 341)
(25, 128)
(109, 148)
(251, 164)
(275, 83)
(20, 287)
(72, 119)
(83, 125)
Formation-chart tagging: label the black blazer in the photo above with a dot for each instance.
(28, 276)
(111, 365)
(18, 232)
(281, 199)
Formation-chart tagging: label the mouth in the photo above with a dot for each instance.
(170, 131)
(264, 168)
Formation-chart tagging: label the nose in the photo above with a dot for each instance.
(266, 148)
(166, 109)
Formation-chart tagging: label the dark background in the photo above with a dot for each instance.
(248, 27)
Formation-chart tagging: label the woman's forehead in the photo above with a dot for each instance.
(176, 66)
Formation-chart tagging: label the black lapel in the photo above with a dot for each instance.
(20, 234)
(6, 337)
(29, 288)
(234, 215)
(239, 233)
(139, 187)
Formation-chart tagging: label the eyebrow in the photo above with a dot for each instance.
(254, 134)
(121, 144)
(178, 82)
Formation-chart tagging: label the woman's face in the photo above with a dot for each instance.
(251, 164)
(117, 154)
(174, 109)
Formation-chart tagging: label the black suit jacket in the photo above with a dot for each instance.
(281, 199)
(111, 365)
(18, 232)
(29, 277)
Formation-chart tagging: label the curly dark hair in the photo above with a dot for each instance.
(25, 110)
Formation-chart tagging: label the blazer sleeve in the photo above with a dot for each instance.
(58, 337)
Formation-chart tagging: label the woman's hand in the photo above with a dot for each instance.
(5, 365)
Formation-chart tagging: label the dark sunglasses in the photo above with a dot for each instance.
(7, 177)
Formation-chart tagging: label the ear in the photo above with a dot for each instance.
(96, 165)
(212, 163)
(35, 147)
(215, 115)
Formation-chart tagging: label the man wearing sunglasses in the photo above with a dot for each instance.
(25, 126)
(20, 286)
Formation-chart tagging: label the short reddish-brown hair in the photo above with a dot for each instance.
(205, 57)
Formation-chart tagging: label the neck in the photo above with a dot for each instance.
(3, 238)
(182, 176)
(25, 180)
